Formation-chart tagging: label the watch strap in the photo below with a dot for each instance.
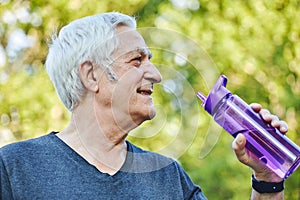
(267, 187)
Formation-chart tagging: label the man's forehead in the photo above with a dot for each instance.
(130, 41)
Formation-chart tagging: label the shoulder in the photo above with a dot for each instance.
(149, 154)
(147, 161)
(165, 170)
(25, 148)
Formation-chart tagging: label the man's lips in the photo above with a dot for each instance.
(144, 91)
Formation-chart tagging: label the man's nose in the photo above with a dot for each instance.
(152, 73)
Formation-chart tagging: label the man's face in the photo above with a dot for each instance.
(130, 97)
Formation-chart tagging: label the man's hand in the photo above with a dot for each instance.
(260, 171)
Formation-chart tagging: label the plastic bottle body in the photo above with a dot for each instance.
(277, 151)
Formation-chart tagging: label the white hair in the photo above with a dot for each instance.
(90, 39)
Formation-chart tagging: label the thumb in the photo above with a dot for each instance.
(238, 146)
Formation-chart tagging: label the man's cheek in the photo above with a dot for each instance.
(129, 81)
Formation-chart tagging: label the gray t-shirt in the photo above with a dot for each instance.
(46, 168)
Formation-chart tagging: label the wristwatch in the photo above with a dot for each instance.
(267, 187)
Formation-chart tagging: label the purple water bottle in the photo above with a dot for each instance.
(276, 150)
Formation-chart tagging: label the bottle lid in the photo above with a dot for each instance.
(217, 93)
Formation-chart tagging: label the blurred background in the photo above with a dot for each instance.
(256, 44)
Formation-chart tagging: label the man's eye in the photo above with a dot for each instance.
(138, 59)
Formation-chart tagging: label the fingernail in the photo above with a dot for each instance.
(274, 122)
(267, 116)
(239, 140)
(283, 129)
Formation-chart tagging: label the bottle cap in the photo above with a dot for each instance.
(217, 93)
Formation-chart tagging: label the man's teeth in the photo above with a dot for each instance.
(144, 93)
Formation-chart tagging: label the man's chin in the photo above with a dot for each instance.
(152, 114)
(140, 119)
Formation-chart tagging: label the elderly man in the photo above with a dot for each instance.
(101, 69)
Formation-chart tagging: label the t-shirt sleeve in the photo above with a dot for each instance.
(5, 189)
(190, 190)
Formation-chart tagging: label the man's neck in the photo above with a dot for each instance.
(106, 153)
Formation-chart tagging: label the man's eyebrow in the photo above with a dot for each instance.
(143, 51)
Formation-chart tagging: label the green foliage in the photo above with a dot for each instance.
(31, 106)
(256, 44)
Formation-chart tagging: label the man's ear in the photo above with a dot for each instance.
(88, 76)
